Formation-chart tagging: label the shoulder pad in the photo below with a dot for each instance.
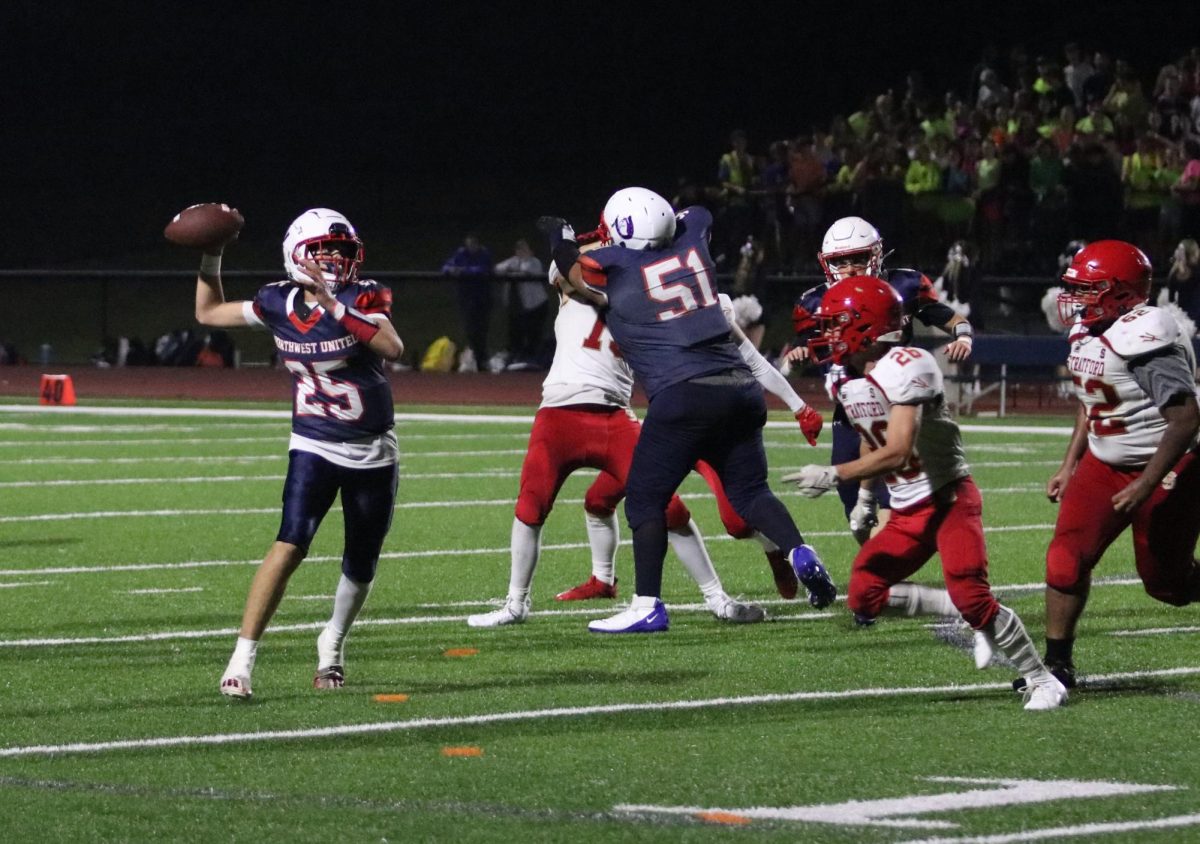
(593, 271)
(914, 287)
(373, 298)
(908, 376)
(1142, 331)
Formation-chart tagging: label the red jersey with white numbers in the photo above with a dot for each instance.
(339, 390)
(1124, 424)
(908, 376)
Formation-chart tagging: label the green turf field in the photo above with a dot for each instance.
(127, 543)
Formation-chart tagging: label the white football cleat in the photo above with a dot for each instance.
(726, 608)
(645, 615)
(513, 612)
(236, 686)
(983, 649)
(1043, 693)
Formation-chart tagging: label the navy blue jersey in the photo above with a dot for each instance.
(916, 292)
(662, 306)
(339, 390)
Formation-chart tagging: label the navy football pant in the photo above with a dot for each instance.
(846, 443)
(722, 425)
(368, 496)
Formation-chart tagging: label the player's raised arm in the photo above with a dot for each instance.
(379, 335)
(211, 307)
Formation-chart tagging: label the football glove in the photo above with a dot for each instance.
(556, 229)
(813, 481)
(863, 517)
(810, 423)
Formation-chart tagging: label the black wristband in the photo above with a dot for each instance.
(565, 254)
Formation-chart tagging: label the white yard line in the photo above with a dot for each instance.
(167, 591)
(1155, 631)
(405, 555)
(26, 583)
(166, 635)
(538, 715)
(1081, 830)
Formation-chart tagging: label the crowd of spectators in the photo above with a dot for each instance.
(1029, 153)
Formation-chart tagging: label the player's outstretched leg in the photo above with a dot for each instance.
(1042, 689)
(525, 549)
(603, 538)
(911, 599)
(811, 572)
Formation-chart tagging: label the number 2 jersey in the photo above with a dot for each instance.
(908, 376)
(662, 306)
(341, 397)
(1123, 376)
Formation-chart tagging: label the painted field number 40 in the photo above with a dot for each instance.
(906, 812)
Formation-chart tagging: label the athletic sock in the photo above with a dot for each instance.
(1060, 650)
(347, 601)
(603, 536)
(242, 662)
(525, 548)
(1010, 637)
(911, 599)
(688, 544)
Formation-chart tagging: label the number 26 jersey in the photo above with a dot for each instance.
(908, 376)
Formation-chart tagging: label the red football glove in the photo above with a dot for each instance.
(810, 423)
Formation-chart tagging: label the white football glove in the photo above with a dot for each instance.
(863, 517)
(813, 481)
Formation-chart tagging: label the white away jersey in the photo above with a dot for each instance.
(1124, 424)
(588, 367)
(908, 376)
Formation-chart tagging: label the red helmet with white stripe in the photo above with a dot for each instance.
(1106, 279)
(855, 313)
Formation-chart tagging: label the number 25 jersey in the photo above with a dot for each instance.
(339, 390)
(908, 376)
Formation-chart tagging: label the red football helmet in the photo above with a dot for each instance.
(1106, 279)
(854, 313)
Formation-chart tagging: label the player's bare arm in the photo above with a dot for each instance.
(1183, 421)
(211, 308)
(1057, 484)
(904, 420)
(384, 342)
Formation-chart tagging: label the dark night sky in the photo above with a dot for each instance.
(116, 115)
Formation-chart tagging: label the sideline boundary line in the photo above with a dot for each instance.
(542, 714)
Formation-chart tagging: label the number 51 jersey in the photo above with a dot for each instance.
(339, 390)
(908, 376)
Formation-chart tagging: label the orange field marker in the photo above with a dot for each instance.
(727, 818)
(56, 389)
(391, 698)
(461, 652)
(462, 752)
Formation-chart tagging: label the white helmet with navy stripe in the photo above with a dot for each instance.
(638, 218)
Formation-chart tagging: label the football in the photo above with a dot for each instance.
(207, 226)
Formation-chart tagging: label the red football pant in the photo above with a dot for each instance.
(564, 439)
(953, 529)
(1165, 529)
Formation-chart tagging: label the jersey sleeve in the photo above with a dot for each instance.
(803, 322)
(914, 287)
(908, 376)
(374, 299)
(727, 308)
(693, 221)
(1141, 332)
(1164, 375)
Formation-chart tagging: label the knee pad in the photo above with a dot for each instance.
(599, 505)
(360, 571)
(866, 597)
(1065, 571)
(531, 512)
(678, 514)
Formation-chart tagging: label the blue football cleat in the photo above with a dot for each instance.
(812, 574)
(645, 615)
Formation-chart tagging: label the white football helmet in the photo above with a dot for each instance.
(637, 218)
(851, 247)
(327, 237)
